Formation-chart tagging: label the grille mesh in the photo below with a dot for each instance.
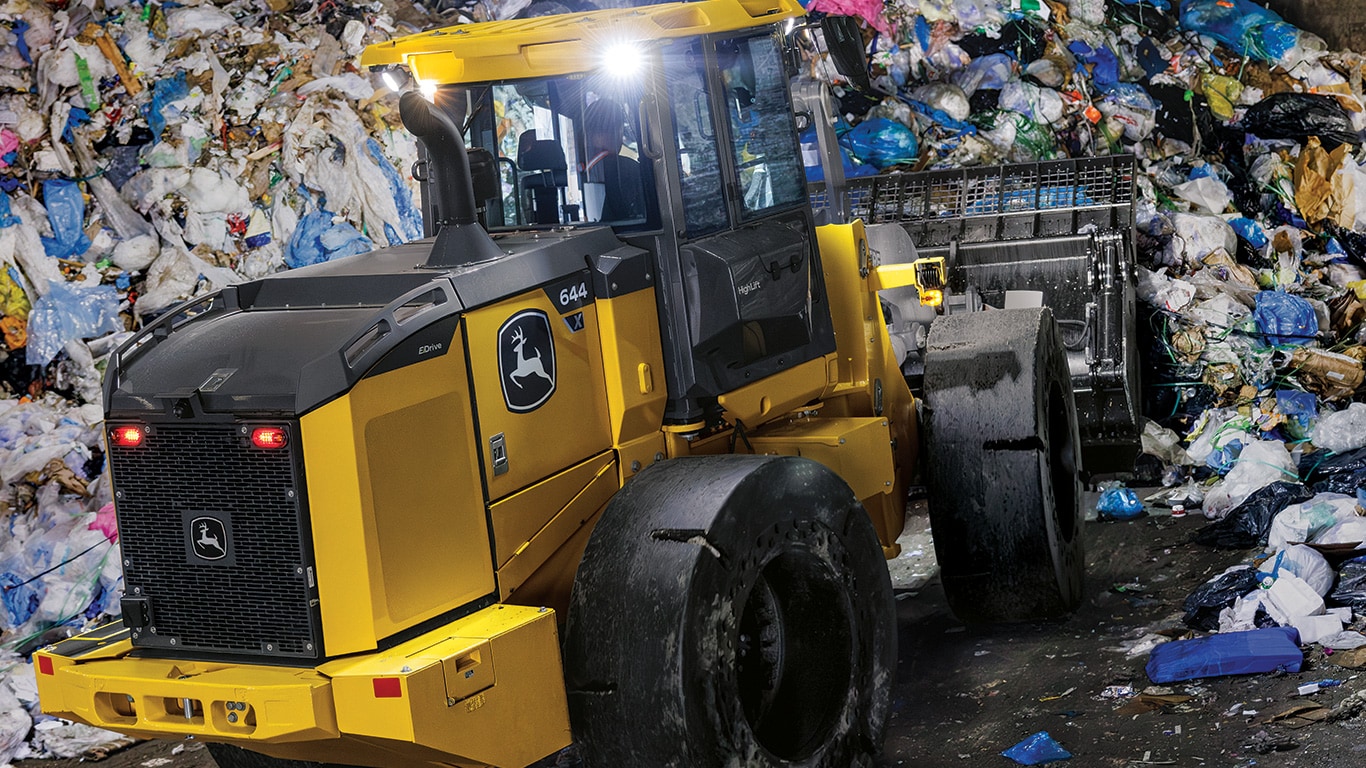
(259, 604)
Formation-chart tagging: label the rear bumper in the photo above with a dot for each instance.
(484, 690)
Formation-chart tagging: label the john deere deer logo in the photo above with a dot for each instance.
(209, 539)
(526, 360)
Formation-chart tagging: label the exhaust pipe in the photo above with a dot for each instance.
(460, 240)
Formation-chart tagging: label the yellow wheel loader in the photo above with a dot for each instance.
(612, 458)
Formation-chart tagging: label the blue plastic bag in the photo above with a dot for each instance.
(318, 239)
(1037, 750)
(1250, 231)
(1247, 28)
(70, 312)
(1284, 319)
(816, 171)
(66, 213)
(1103, 63)
(882, 143)
(1230, 653)
(1119, 504)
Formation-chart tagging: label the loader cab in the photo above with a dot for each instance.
(685, 147)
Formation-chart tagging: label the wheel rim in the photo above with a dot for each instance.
(794, 661)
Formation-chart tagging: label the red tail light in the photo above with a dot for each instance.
(126, 437)
(387, 687)
(268, 437)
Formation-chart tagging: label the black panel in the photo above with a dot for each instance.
(258, 602)
(753, 304)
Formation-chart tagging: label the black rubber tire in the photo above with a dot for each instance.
(731, 610)
(1002, 466)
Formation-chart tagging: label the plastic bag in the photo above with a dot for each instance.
(882, 143)
(1351, 586)
(1246, 525)
(1342, 431)
(1285, 319)
(1041, 105)
(1236, 653)
(1247, 28)
(1163, 443)
(1132, 106)
(1303, 522)
(70, 312)
(1119, 504)
(1038, 749)
(1349, 531)
(66, 212)
(1197, 236)
(319, 238)
(1260, 464)
(1301, 115)
(1305, 562)
(1204, 605)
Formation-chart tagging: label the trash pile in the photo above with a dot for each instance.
(153, 151)
(1251, 228)
(150, 152)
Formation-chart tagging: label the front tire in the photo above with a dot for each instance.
(1002, 466)
(731, 610)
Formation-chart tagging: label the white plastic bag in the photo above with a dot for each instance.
(1306, 562)
(1343, 430)
(1260, 464)
(1299, 523)
(1351, 530)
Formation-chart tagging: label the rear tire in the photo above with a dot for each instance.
(1002, 466)
(731, 610)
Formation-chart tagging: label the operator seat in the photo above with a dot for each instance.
(545, 173)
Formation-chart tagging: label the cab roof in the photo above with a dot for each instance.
(561, 45)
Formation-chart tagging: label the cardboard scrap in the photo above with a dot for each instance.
(1296, 715)
(1147, 702)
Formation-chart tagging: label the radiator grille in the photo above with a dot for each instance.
(257, 599)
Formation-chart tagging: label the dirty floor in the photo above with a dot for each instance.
(965, 694)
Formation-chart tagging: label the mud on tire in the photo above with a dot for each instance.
(1002, 466)
(731, 610)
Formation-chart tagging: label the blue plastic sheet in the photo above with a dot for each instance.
(1037, 750)
(66, 214)
(164, 92)
(1285, 319)
(1161, 5)
(882, 143)
(403, 197)
(1230, 653)
(70, 312)
(318, 239)
(1247, 28)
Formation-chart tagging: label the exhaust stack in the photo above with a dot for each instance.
(459, 240)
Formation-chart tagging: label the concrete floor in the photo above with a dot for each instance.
(963, 694)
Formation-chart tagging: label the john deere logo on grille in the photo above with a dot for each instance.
(208, 538)
(526, 360)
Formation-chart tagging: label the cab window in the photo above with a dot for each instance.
(567, 153)
(763, 141)
(704, 207)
